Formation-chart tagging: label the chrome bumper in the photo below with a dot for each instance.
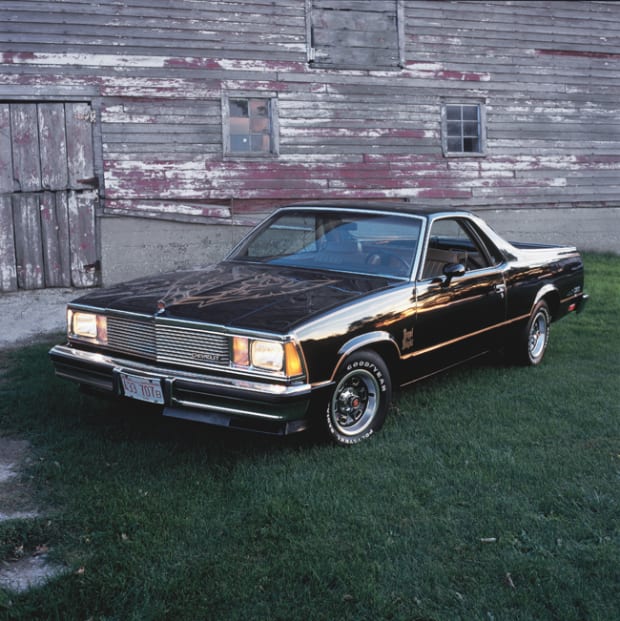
(225, 401)
(582, 303)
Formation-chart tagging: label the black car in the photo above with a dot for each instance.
(317, 315)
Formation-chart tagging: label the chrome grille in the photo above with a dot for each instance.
(194, 347)
(132, 337)
(170, 344)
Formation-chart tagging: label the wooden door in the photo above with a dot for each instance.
(48, 196)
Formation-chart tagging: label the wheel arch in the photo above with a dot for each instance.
(550, 294)
(380, 342)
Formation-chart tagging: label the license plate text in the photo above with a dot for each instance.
(142, 388)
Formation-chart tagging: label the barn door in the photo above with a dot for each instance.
(48, 196)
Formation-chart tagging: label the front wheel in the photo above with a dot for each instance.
(531, 344)
(360, 401)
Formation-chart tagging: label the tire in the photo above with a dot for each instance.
(532, 341)
(360, 400)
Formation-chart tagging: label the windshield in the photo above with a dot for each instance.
(354, 242)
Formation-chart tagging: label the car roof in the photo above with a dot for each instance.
(390, 206)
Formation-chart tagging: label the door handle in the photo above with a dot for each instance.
(500, 290)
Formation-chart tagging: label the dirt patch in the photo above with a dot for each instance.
(27, 573)
(15, 499)
(20, 572)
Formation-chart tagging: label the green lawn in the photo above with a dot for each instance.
(492, 493)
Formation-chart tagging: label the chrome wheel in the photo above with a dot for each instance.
(360, 400)
(539, 334)
(530, 343)
(355, 402)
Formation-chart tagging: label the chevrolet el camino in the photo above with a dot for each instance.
(318, 315)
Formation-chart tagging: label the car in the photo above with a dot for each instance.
(318, 315)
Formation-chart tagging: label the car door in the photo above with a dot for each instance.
(458, 315)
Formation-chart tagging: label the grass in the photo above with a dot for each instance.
(491, 493)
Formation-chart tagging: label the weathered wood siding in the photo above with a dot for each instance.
(154, 72)
(47, 201)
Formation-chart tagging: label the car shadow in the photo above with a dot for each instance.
(145, 423)
(127, 420)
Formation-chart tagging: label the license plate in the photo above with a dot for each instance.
(142, 388)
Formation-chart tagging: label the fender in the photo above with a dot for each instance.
(543, 292)
(358, 342)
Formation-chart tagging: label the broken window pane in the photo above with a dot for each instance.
(260, 142)
(239, 143)
(259, 124)
(238, 107)
(259, 107)
(250, 125)
(239, 126)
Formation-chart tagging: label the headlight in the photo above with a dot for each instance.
(267, 355)
(88, 326)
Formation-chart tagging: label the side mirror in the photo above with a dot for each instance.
(453, 270)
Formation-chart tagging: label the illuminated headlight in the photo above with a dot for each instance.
(267, 355)
(88, 326)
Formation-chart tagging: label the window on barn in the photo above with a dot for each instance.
(250, 126)
(463, 129)
(355, 34)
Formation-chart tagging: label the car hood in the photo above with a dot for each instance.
(238, 295)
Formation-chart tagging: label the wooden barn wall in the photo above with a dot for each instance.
(154, 72)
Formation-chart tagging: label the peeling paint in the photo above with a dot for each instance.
(579, 54)
(353, 132)
(370, 132)
(439, 71)
(122, 61)
(82, 60)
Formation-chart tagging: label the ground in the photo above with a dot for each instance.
(22, 570)
(29, 315)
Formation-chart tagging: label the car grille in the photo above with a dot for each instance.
(132, 337)
(169, 344)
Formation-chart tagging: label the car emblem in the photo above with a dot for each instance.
(407, 339)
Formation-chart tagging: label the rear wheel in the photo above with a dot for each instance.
(359, 403)
(531, 343)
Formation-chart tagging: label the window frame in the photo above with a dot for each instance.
(274, 133)
(466, 231)
(311, 48)
(482, 123)
(349, 251)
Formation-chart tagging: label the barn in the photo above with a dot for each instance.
(144, 135)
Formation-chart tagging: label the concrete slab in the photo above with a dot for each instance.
(28, 572)
(28, 315)
(592, 230)
(21, 571)
(15, 494)
(136, 247)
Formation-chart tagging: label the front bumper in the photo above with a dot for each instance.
(275, 408)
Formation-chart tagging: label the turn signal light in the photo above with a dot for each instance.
(293, 361)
